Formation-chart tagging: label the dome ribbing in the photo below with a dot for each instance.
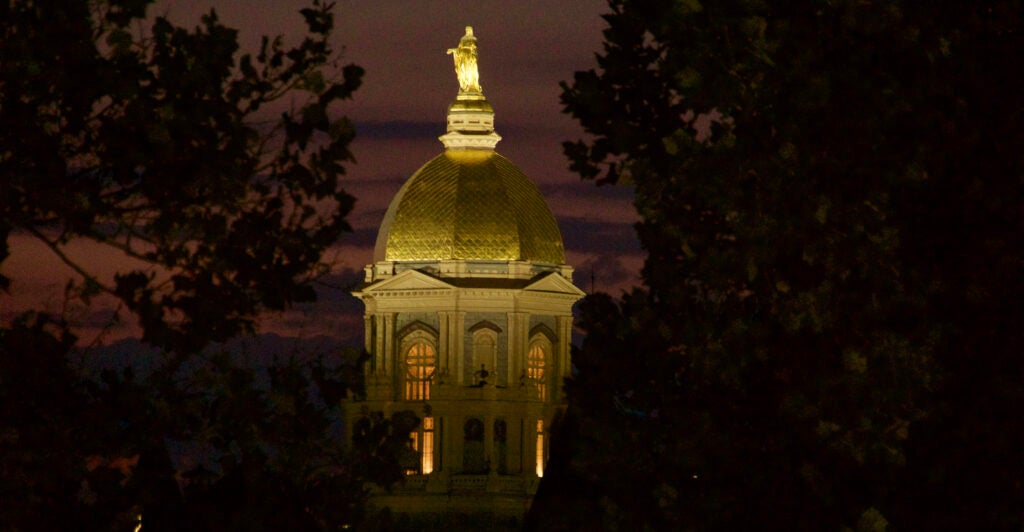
(471, 205)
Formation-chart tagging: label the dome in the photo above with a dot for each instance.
(469, 204)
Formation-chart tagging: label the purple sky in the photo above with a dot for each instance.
(526, 48)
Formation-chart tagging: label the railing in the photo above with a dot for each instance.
(469, 482)
(465, 483)
(416, 482)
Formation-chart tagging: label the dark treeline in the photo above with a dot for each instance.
(829, 332)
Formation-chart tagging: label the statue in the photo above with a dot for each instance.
(465, 63)
(482, 375)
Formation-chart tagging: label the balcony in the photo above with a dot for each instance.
(459, 483)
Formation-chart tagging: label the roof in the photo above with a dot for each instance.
(469, 204)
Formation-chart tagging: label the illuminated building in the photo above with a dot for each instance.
(468, 321)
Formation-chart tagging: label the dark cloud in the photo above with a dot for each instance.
(400, 129)
(259, 351)
(361, 236)
(599, 237)
(604, 273)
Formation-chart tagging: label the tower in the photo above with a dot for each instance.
(468, 321)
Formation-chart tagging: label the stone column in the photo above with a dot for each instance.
(454, 428)
(518, 323)
(387, 331)
(378, 342)
(563, 354)
(444, 343)
(489, 443)
(457, 336)
(368, 341)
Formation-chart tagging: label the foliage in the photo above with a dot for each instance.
(223, 447)
(829, 335)
(160, 145)
(149, 145)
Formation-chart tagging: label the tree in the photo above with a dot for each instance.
(160, 145)
(148, 144)
(829, 331)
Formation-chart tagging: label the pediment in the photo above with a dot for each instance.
(553, 282)
(408, 280)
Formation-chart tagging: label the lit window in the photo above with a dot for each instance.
(419, 364)
(535, 369)
(428, 446)
(414, 443)
(423, 445)
(540, 447)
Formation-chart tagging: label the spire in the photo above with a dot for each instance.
(470, 116)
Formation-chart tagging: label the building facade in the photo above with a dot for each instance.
(468, 322)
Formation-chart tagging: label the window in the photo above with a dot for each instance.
(473, 460)
(420, 361)
(422, 442)
(535, 362)
(427, 463)
(414, 444)
(540, 448)
(485, 357)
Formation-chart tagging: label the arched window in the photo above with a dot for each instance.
(485, 357)
(473, 460)
(420, 363)
(536, 361)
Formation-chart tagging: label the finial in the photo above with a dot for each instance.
(465, 63)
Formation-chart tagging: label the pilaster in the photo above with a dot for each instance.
(368, 341)
(387, 355)
(563, 355)
(459, 345)
(444, 342)
(518, 330)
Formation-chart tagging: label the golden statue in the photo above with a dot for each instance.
(465, 63)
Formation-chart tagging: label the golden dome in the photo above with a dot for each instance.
(472, 205)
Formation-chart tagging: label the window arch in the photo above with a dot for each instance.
(420, 365)
(485, 356)
(536, 365)
(473, 460)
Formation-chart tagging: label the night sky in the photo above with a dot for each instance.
(525, 49)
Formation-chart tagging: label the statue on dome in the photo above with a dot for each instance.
(465, 63)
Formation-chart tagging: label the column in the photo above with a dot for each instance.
(444, 343)
(489, 442)
(387, 356)
(518, 323)
(368, 341)
(457, 337)
(563, 351)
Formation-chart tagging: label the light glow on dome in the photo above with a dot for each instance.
(469, 205)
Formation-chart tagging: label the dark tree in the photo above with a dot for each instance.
(150, 145)
(830, 330)
(169, 148)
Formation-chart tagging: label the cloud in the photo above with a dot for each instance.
(599, 237)
(399, 129)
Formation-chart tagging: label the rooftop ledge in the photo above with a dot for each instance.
(490, 269)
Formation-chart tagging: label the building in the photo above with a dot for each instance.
(468, 322)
